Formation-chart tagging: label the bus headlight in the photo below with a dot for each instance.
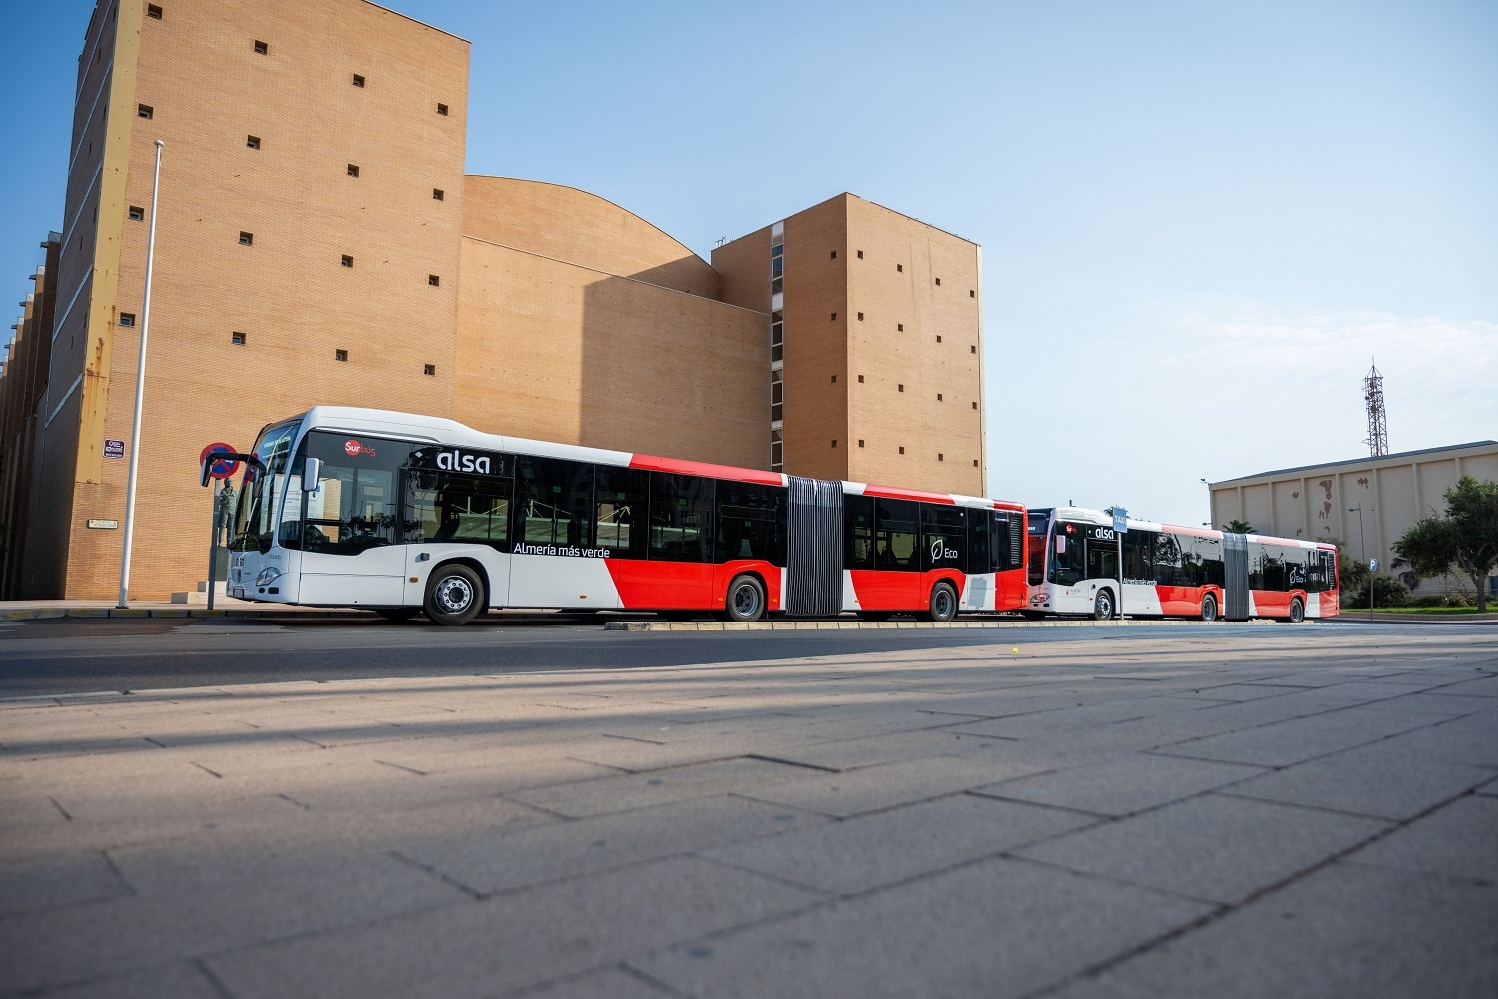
(267, 576)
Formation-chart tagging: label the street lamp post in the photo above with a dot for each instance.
(140, 391)
(1363, 547)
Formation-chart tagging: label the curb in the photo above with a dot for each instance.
(859, 625)
(54, 613)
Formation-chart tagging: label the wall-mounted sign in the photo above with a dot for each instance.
(114, 449)
(104, 525)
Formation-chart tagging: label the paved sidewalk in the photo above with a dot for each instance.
(1287, 812)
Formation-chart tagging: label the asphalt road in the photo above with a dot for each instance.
(39, 658)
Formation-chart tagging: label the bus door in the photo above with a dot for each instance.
(453, 513)
(346, 527)
(896, 583)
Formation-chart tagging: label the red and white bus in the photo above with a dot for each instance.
(399, 513)
(1074, 568)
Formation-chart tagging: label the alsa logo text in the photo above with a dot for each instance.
(354, 449)
(457, 461)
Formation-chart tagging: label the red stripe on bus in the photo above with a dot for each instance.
(677, 466)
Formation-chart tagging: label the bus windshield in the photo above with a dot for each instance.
(254, 524)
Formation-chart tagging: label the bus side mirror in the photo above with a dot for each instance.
(311, 473)
(1060, 544)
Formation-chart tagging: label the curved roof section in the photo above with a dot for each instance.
(567, 224)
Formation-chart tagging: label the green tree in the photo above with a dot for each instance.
(1464, 540)
(1239, 527)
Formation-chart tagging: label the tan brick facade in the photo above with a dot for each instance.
(331, 133)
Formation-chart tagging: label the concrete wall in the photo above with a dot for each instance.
(1317, 502)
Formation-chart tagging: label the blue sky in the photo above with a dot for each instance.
(1199, 221)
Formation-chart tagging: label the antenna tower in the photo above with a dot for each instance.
(1378, 427)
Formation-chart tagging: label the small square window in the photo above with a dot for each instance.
(834, 317)
(153, 11)
(860, 379)
(144, 111)
(252, 141)
(975, 462)
(941, 457)
(860, 442)
(938, 397)
(902, 388)
(353, 170)
(938, 282)
(237, 339)
(860, 254)
(938, 338)
(902, 450)
(358, 80)
(261, 48)
(973, 349)
(346, 260)
(127, 319)
(900, 268)
(860, 317)
(442, 109)
(437, 194)
(429, 369)
(137, 213)
(834, 444)
(834, 379)
(247, 239)
(834, 255)
(975, 404)
(434, 280)
(340, 355)
(972, 293)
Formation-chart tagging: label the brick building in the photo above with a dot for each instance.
(318, 241)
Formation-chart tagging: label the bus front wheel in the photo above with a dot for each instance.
(943, 603)
(746, 599)
(455, 595)
(1102, 607)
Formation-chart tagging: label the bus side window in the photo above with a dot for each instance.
(943, 537)
(681, 518)
(896, 535)
(1137, 560)
(858, 532)
(553, 502)
(751, 522)
(620, 501)
(458, 509)
(979, 546)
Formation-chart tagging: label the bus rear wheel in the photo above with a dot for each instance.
(1102, 607)
(1297, 611)
(746, 600)
(943, 606)
(1209, 608)
(455, 595)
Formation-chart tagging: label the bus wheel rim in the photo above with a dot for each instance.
(454, 594)
(745, 600)
(943, 603)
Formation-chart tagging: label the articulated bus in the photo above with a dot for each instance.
(405, 514)
(1173, 571)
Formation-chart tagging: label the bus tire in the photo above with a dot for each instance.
(1297, 611)
(397, 615)
(1209, 608)
(746, 600)
(943, 606)
(455, 595)
(1102, 607)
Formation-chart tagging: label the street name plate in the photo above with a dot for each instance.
(104, 525)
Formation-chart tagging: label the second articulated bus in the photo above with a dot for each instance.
(1170, 571)
(399, 513)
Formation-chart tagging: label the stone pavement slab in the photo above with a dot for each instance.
(997, 929)
(1122, 785)
(1459, 840)
(885, 785)
(1212, 847)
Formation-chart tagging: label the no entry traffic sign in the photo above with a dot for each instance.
(222, 469)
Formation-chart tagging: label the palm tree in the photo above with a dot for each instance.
(1239, 527)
